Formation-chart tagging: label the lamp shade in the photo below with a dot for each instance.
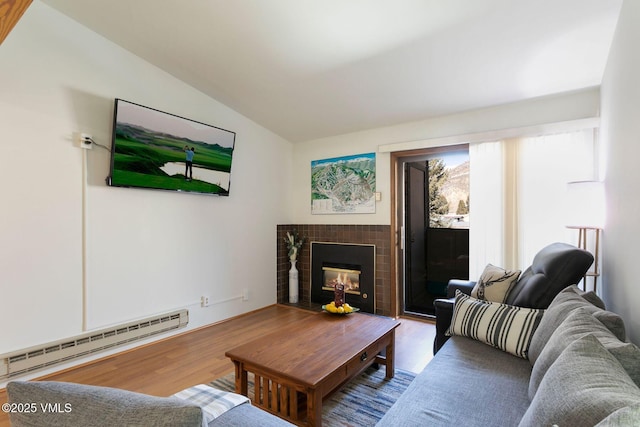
(585, 204)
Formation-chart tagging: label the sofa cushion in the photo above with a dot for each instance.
(502, 326)
(248, 415)
(584, 386)
(468, 384)
(562, 305)
(578, 324)
(92, 406)
(494, 283)
(554, 267)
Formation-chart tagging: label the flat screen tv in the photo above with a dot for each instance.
(157, 150)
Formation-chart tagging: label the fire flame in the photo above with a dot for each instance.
(344, 279)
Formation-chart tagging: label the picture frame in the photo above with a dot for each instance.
(344, 185)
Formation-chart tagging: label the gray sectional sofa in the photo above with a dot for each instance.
(576, 369)
(51, 403)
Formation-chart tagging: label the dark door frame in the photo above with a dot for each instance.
(396, 174)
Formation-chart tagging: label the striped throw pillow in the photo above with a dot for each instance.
(503, 326)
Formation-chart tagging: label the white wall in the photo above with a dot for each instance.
(147, 251)
(621, 140)
(551, 109)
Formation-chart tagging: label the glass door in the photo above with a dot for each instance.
(436, 227)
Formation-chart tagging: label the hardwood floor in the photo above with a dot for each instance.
(196, 357)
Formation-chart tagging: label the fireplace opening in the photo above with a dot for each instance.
(353, 265)
(349, 276)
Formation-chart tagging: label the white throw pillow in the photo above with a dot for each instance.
(495, 283)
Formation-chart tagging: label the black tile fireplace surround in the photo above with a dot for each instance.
(377, 235)
(348, 256)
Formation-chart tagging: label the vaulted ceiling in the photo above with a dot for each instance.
(307, 69)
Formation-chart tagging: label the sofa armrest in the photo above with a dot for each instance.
(444, 309)
(444, 314)
(464, 286)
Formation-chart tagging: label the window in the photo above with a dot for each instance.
(518, 189)
(448, 183)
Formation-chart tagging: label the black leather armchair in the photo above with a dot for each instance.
(555, 267)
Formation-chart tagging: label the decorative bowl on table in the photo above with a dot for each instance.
(344, 309)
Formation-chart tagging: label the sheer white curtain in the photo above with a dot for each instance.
(518, 192)
(486, 203)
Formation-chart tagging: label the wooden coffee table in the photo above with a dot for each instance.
(297, 367)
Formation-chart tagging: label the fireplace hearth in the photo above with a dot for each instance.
(352, 265)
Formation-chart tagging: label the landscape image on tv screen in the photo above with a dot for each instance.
(154, 149)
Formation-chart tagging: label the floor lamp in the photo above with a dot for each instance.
(586, 207)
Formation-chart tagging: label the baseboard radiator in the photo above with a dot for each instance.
(35, 358)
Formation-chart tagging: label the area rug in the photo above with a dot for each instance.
(360, 403)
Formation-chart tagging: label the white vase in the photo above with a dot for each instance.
(293, 282)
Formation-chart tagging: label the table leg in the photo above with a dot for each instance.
(314, 409)
(390, 356)
(241, 379)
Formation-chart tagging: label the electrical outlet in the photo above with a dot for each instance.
(245, 295)
(84, 140)
(204, 301)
